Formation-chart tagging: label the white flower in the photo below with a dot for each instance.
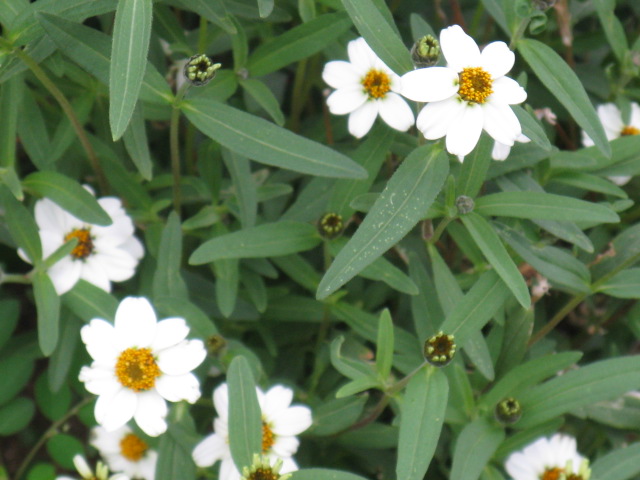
(615, 127)
(366, 87)
(138, 363)
(470, 94)
(547, 458)
(87, 474)
(102, 255)
(281, 422)
(125, 452)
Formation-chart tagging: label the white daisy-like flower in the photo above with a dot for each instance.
(104, 254)
(125, 452)
(468, 95)
(614, 127)
(281, 422)
(365, 87)
(138, 364)
(101, 473)
(549, 459)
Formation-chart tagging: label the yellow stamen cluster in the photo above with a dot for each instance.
(552, 474)
(439, 349)
(84, 248)
(376, 83)
(629, 130)
(268, 438)
(133, 447)
(474, 85)
(137, 369)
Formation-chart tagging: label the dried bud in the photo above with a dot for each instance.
(215, 343)
(439, 350)
(464, 204)
(200, 70)
(425, 52)
(330, 225)
(508, 411)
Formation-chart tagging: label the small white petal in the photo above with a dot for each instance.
(620, 180)
(463, 135)
(99, 338)
(82, 466)
(181, 358)
(611, 119)
(501, 123)
(169, 332)
(275, 400)
(361, 56)
(100, 381)
(497, 59)
(458, 48)
(228, 470)
(113, 411)
(135, 323)
(150, 413)
(500, 151)
(285, 447)
(292, 421)
(586, 140)
(634, 119)
(221, 400)
(361, 120)
(49, 216)
(436, 118)
(210, 450)
(395, 112)
(179, 387)
(288, 465)
(507, 90)
(64, 274)
(340, 74)
(346, 100)
(429, 84)
(115, 264)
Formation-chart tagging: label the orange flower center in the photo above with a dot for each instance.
(376, 83)
(84, 248)
(551, 474)
(629, 130)
(268, 438)
(137, 369)
(474, 85)
(133, 447)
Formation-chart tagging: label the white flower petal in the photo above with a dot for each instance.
(275, 400)
(620, 180)
(100, 340)
(93, 271)
(463, 134)
(459, 49)
(346, 100)
(179, 387)
(361, 120)
(49, 216)
(108, 442)
(288, 465)
(395, 112)
(181, 358)
(228, 470)
(507, 90)
(82, 466)
(292, 421)
(150, 413)
(285, 447)
(361, 56)
(210, 450)
(116, 264)
(135, 322)
(113, 411)
(429, 84)
(169, 332)
(221, 400)
(634, 118)
(497, 59)
(611, 119)
(501, 123)
(340, 74)
(436, 118)
(99, 381)
(500, 151)
(64, 274)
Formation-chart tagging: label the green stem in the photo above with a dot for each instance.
(175, 147)
(49, 433)
(202, 35)
(524, 23)
(440, 230)
(15, 278)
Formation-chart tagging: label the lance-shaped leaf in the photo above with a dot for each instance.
(48, 306)
(22, 226)
(167, 281)
(131, 34)
(88, 301)
(403, 203)
(476, 444)
(625, 284)
(267, 143)
(384, 345)
(268, 240)
(323, 474)
(621, 464)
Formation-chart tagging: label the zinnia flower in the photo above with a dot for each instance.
(548, 459)
(125, 452)
(86, 473)
(281, 422)
(366, 87)
(468, 95)
(104, 254)
(138, 364)
(615, 127)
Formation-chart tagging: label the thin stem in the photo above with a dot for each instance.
(202, 34)
(49, 433)
(524, 23)
(15, 278)
(440, 229)
(175, 147)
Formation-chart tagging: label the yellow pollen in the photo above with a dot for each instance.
(629, 130)
(84, 248)
(474, 85)
(137, 369)
(376, 83)
(133, 447)
(268, 438)
(551, 474)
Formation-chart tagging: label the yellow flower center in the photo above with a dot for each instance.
(133, 447)
(268, 438)
(263, 474)
(137, 369)
(551, 474)
(84, 248)
(376, 83)
(474, 85)
(629, 130)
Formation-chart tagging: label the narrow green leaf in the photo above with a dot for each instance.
(590, 183)
(227, 279)
(9, 178)
(517, 330)
(244, 186)
(88, 301)
(613, 29)
(167, 281)
(565, 85)
(423, 409)
(403, 203)
(489, 242)
(63, 356)
(33, 131)
(474, 169)
(136, 143)
(17, 371)
(357, 386)
(337, 415)
(16, 415)
(265, 7)
(381, 37)
(69, 195)
(265, 98)
(175, 446)
(10, 104)
(298, 43)
(215, 12)
(268, 240)
(48, 306)
(22, 226)
(200, 323)
(620, 464)
(256, 289)
(353, 369)
(625, 284)
(245, 417)
(627, 248)
(264, 142)
(476, 444)
(384, 271)
(9, 9)
(384, 345)
(547, 206)
(532, 128)
(323, 474)
(131, 34)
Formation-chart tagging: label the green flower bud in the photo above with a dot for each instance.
(425, 52)
(439, 350)
(465, 204)
(261, 469)
(508, 411)
(215, 343)
(200, 70)
(330, 225)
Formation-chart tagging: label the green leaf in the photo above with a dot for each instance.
(517, 330)
(167, 281)
(16, 372)
(487, 239)
(298, 43)
(33, 132)
(136, 143)
(10, 309)
(337, 415)
(265, 7)
(215, 12)
(175, 446)
(88, 301)
(384, 271)
(476, 444)
(48, 306)
(227, 278)
(200, 323)
(131, 34)
(613, 29)
(9, 9)
(532, 128)
(474, 169)
(266, 143)
(370, 21)
(69, 195)
(403, 203)
(356, 386)
(384, 345)
(538, 205)
(52, 404)
(627, 248)
(245, 424)
(268, 240)
(353, 369)
(11, 93)
(22, 226)
(323, 474)
(620, 464)
(244, 186)
(625, 284)
(422, 410)
(16, 415)
(265, 98)
(61, 359)
(589, 183)
(565, 85)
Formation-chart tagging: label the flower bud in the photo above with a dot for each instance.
(439, 350)
(200, 70)
(215, 343)
(465, 204)
(508, 411)
(330, 225)
(425, 52)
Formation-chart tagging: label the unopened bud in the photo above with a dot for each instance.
(200, 70)
(465, 204)
(330, 225)
(439, 350)
(508, 411)
(425, 52)
(215, 343)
